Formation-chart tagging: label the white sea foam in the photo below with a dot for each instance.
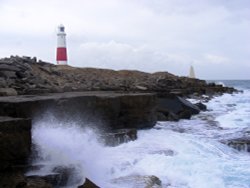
(220, 83)
(233, 110)
(197, 163)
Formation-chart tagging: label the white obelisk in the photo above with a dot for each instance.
(191, 72)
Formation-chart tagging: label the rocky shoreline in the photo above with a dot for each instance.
(25, 75)
(117, 102)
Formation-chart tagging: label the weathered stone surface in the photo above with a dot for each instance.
(119, 136)
(8, 92)
(172, 108)
(139, 181)
(88, 184)
(11, 179)
(63, 175)
(193, 109)
(166, 115)
(60, 176)
(54, 180)
(18, 180)
(175, 104)
(36, 182)
(15, 141)
(185, 114)
(3, 82)
(240, 144)
(15, 146)
(8, 67)
(107, 109)
(201, 106)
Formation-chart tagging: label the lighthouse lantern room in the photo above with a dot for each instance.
(61, 53)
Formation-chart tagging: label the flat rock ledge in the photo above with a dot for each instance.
(108, 110)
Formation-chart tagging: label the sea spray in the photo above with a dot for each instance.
(68, 145)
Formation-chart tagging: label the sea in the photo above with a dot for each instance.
(183, 154)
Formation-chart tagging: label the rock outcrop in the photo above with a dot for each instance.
(139, 181)
(15, 147)
(119, 136)
(171, 107)
(240, 144)
(88, 184)
(108, 110)
(27, 76)
(15, 141)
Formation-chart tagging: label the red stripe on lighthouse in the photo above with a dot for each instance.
(61, 54)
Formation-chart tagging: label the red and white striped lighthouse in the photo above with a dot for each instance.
(61, 52)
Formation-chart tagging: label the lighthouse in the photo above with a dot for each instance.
(61, 52)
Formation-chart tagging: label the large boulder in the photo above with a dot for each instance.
(174, 107)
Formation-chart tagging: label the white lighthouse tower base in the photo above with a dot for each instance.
(62, 62)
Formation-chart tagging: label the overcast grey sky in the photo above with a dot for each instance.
(149, 35)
